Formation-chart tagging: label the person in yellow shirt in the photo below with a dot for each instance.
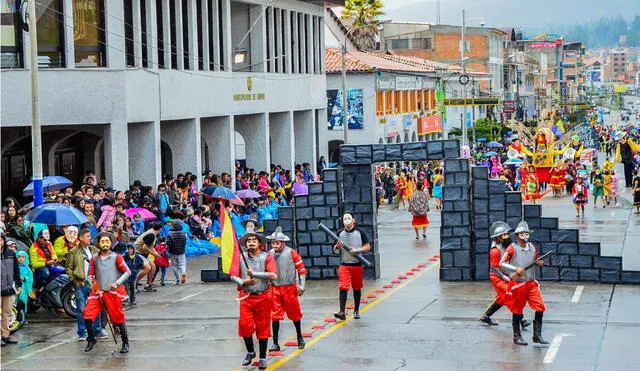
(608, 165)
(624, 154)
(42, 255)
(63, 244)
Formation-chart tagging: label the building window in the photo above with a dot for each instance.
(421, 100)
(412, 101)
(401, 44)
(160, 33)
(185, 34)
(388, 103)
(397, 102)
(145, 34)
(173, 31)
(200, 26)
(50, 35)
(88, 33)
(405, 102)
(379, 103)
(11, 29)
(128, 33)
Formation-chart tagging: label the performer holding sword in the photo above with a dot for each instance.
(351, 271)
(519, 258)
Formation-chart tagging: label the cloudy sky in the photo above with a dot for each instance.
(529, 14)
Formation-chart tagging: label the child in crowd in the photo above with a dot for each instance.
(135, 264)
(607, 188)
(163, 261)
(580, 196)
(138, 225)
(26, 276)
(614, 187)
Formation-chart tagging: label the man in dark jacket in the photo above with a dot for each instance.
(10, 287)
(176, 244)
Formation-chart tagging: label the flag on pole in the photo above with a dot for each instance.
(560, 126)
(229, 248)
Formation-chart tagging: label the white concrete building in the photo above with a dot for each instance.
(134, 89)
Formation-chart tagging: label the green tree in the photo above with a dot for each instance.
(363, 14)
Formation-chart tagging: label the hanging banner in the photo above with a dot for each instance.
(430, 124)
(393, 127)
(407, 122)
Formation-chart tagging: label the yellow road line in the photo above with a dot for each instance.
(331, 330)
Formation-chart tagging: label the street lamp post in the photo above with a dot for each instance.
(36, 134)
(463, 48)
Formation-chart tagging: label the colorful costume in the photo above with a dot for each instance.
(542, 154)
(532, 187)
(580, 194)
(636, 191)
(558, 177)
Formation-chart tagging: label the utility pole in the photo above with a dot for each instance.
(463, 47)
(36, 134)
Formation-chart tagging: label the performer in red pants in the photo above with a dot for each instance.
(254, 286)
(524, 287)
(286, 289)
(107, 273)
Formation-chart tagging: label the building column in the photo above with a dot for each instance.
(152, 34)
(179, 38)
(114, 37)
(296, 39)
(302, 30)
(271, 63)
(304, 131)
(227, 59)
(280, 37)
(282, 139)
(219, 134)
(183, 137)
(310, 44)
(215, 32)
(192, 26)
(137, 33)
(166, 33)
(321, 45)
(255, 131)
(205, 35)
(116, 153)
(144, 161)
(287, 42)
(68, 29)
(322, 141)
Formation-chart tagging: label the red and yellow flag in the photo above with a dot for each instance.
(229, 248)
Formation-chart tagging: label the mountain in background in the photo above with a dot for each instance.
(537, 16)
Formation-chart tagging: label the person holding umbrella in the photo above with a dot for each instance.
(42, 256)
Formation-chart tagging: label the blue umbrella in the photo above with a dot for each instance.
(56, 214)
(494, 145)
(490, 154)
(513, 161)
(208, 190)
(49, 183)
(223, 193)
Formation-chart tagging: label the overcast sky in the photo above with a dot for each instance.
(536, 14)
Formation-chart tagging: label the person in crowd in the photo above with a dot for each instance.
(10, 286)
(636, 190)
(64, 244)
(419, 208)
(42, 256)
(26, 276)
(580, 194)
(438, 184)
(176, 244)
(145, 246)
(137, 226)
(597, 182)
(135, 262)
(163, 261)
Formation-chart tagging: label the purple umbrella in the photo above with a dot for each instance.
(300, 189)
(248, 193)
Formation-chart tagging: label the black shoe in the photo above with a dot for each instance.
(149, 288)
(488, 321)
(537, 333)
(356, 314)
(340, 315)
(517, 335)
(275, 348)
(125, 338)
(9, 341)
(249, 358)
(263, 364)
(301, 343)
(524, 323)
(125, 347)
(90, 344)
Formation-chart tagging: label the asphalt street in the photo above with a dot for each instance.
(416, 323)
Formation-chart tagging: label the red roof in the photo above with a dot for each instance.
(358, 61)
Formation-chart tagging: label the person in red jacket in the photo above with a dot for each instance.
(257, 270)
(286, 289)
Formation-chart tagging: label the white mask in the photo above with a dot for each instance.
(45, 235)
(524, 236)
(347, 220)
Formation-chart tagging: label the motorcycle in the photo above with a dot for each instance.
(54, 293)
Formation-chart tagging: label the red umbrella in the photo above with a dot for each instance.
(237, 201)
(144, 213)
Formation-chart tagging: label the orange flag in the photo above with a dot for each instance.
(229, 248)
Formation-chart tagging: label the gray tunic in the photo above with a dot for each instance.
(287, 273)
(107, 272)
(257, 264)
(355, 239)
(523, 257)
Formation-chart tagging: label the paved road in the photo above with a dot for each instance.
(419, 324)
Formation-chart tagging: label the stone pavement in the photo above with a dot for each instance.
(418, 324)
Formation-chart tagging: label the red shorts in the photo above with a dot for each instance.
(350, 276)
(523, 293)
(255, 316)
(503, 294)
(112, 303)
(285, 300)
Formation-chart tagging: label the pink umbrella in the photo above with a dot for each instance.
(144, 213)
(237, 201)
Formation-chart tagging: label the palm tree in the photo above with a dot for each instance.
(363, 14)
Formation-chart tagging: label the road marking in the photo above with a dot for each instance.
(331, 330)
(5, 364)
(577, 294)
(550, 356)
(187, 297)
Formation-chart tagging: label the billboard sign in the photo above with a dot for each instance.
(508, 106)
(429, 124)
(546, 45)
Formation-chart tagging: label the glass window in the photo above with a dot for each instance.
(10, 34)
(397, 101)
(50, 34)
(128, 33)
(412, 101)
(388, 103)
(379, 103)
(88, 33)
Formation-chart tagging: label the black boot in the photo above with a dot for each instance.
(91, 336)
(249, 358)
(486, 317)
(537, 333)
(275, 329)
(517, 336)
(125, 338)
(524, 323)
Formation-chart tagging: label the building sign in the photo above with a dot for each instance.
(547, 45)
(408, 83)
(486, 101)
(429, 124)
(240, 97)
(385, 82)
(508, 106)
(428, 83)
(393, 127)
(407, 122)
(355, 113)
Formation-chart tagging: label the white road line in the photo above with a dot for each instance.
(187, 297)
(550, 356)
(38, 351)
(576, 294)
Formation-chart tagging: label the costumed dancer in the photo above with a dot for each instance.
(624, 154)
(532, 185)
(577, 146)
(597, 182)
(558, 180)
(257, 270)
(107, 273)
(500, 240)
(496, 167)
(542, 154)
(580, 196)
(63, 244)
(614, 187)
(636, 191)
(351, 271)
(286, 289)
(524, 286)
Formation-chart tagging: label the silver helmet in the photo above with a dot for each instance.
(522, 228)
(278, 236)
(498, 228)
